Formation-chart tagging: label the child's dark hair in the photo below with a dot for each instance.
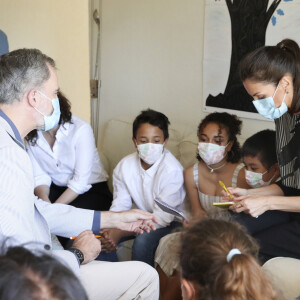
(28, 275)
(263, 146)
(232, 125)
(203, 259)
(151, 117)
(268, 64)
(65, 117)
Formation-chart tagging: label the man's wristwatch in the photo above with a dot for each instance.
(78, 254)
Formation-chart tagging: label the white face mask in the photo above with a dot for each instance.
(255, 179)
(150, 152)
(211, 153)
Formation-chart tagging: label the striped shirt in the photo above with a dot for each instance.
(24, 218)
(288, 149)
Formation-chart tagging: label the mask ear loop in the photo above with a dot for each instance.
(228, 153)
(268, 171)
(276, 90)
(285, 93)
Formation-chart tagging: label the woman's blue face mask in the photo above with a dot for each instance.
(267, 108)
(52, 120)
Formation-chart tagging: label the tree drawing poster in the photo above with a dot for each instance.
(232, 29)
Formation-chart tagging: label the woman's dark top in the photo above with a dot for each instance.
(288, 153)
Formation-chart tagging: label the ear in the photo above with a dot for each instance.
(134, 142)
(32, 98)
(230, 146)
(165, 142)
(287, 83)
(188, 290)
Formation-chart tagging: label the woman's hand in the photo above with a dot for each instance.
(235, 192)
(251, 204)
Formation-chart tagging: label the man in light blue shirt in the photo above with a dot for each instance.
(28, 100)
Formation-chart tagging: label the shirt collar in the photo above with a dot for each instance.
(13, 127)
(62, 130)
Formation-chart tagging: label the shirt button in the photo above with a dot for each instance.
(47, 247)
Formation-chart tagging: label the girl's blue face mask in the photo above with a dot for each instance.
(266, 107)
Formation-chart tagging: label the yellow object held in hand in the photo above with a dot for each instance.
(224, 205)
(225, 189)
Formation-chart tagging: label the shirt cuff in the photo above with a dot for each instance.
(96, 222)
(75, 257)
(42, 180)
(78, 188)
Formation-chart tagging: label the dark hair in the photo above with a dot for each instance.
(65, 117)
(232, 125)
(22, 70)
(153, 118)
(263, 146)
(28, 276)
(270, 63)
(203, 260)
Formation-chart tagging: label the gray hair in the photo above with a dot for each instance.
(20, 71)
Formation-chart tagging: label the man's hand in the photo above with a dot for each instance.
(88, 245)
(134, 220)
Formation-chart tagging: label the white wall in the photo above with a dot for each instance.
(60, 29)
(151, 56)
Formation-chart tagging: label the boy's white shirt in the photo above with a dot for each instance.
(138, 187)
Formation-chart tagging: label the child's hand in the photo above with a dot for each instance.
(185, 223)
(194, 220)
(110, 238)
(107, 245)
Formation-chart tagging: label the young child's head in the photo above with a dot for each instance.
(150, 134)
(259, 156)
(218, 261)
(219, 129)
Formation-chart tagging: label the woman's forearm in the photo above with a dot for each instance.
(291, 204)
(272, 190)
(42, 191)
(67, 196)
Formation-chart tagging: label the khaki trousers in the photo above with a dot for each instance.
(120, 280)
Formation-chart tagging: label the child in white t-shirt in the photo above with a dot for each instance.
(139, 178)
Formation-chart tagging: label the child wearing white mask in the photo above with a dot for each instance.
(259, 156)
(219, 158)
(149, 173)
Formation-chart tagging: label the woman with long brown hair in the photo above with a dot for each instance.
(271, 75)
(66, 165)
